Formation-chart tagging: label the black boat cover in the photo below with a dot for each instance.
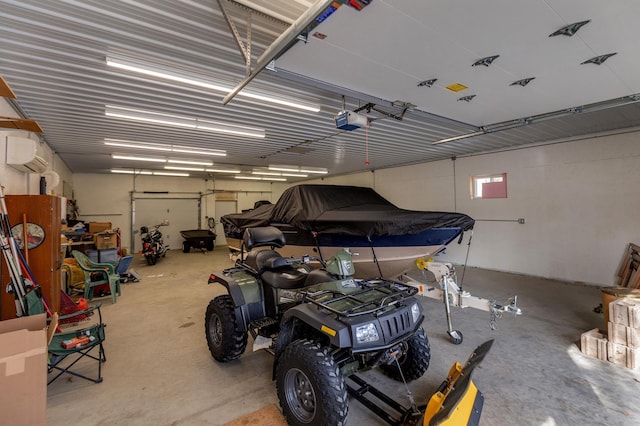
(348, 210)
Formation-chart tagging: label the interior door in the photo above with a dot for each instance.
(223, 208)
(182, 214)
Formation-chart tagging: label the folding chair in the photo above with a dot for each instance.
(96, 274)
(69, 347)
(126, 274)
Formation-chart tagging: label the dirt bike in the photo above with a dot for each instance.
(321, 324)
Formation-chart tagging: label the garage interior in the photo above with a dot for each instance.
(141, 112)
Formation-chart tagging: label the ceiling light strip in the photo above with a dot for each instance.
(181, 121)
(133, 158)
(166, 148)
(179, 79)
(298, 169)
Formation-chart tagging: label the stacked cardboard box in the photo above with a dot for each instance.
(23, 369)
(623, 344)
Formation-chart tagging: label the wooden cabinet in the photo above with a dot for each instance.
(44, 260)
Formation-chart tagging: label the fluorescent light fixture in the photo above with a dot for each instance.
(137, 145)
(181, 121)
(274, 173)
(297, 169)
(456, 138)
(261, 178)
(188, 169)
(230, 129)
(171, 174)
(149, 116)
(195, 163)
(199, 151)
(259, 172)
(130, 172)
(165, 148)
(279, 101)
(129, 157)
(284, 168)
(221, 170)
(315, 170)
(198, 83)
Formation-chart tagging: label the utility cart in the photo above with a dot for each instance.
(199, 239)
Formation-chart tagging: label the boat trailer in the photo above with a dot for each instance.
(445, 277)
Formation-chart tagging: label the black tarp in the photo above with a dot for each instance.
(345, 210)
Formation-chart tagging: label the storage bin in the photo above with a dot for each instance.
(103, 256)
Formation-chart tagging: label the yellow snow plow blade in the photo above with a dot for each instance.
(457, 401)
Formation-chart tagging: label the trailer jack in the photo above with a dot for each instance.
(451, 294)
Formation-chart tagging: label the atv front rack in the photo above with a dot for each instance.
(375, 296)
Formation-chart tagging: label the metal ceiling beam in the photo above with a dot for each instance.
(281, 44)
(265, 11)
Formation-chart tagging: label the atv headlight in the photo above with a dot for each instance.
(367, 333)
(415, 312)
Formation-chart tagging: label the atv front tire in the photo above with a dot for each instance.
(225, 342)
(415, 362)
(310, 387)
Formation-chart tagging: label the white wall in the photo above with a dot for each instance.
(19, 182)
(580, 201)
(107, 197)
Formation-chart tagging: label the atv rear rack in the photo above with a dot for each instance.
(391, 293)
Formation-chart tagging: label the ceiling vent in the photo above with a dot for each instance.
(23, 155)
(570, 29)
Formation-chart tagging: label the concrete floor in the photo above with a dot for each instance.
(159, 370)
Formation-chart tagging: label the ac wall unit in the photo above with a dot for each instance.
(23, 155)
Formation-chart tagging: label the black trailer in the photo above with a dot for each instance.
(199, 239)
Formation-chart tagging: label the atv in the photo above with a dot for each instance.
(321, 325)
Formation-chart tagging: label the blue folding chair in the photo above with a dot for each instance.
(126, 274)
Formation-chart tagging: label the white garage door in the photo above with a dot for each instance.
(182, 214)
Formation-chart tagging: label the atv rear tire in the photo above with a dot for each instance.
(225, 342)
(310, 387)
(415, 362)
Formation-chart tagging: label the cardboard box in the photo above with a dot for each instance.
(594, 344)
(95, 227)
(105, 240)
(625, 311)
(623, 355)
(623, 335)
(23, 370)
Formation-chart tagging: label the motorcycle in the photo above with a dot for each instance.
(153, 246)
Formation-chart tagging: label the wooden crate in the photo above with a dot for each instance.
(594, 344)
(628, 274)
(623, 355)
(623, 335)
(625, 311)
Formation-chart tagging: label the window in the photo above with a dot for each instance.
(489, 186)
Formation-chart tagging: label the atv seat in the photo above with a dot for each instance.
(275, 270)
(288, 278)
(259, 259)
(263, 236)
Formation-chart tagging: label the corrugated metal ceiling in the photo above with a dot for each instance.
(53, 54)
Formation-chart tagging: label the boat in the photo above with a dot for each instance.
(318, 220)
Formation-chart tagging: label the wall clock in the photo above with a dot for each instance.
(35, 235)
